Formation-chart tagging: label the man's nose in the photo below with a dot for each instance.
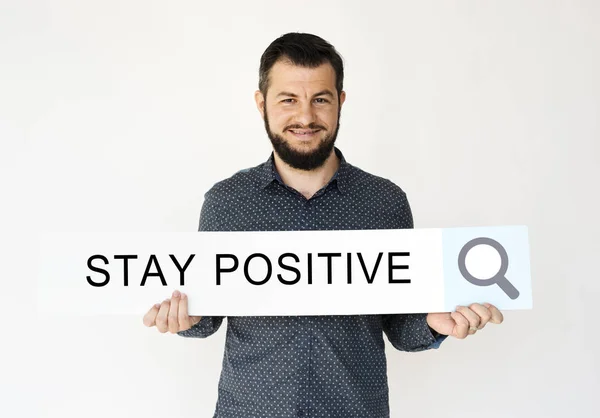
(306, 114)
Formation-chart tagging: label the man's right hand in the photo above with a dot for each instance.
(171, 315)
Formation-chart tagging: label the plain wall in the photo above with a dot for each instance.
(119, 115)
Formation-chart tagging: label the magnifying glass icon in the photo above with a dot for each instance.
(499, 278)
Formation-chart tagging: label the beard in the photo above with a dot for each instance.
(299, 159)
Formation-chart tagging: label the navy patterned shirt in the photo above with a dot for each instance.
(308, 366)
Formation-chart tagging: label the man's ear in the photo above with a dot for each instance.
(342, 97)
(260, 102)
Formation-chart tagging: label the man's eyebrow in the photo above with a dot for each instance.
(325, 92)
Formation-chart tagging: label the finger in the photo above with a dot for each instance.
(173, 320)
(497, 317)
(161, 318)
(461, 329)
(150, 317)
(471, 316)
(184, 319)
(484, 314)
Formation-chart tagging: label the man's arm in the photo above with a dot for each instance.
(207, 326)
(409, 332)
(209, 221)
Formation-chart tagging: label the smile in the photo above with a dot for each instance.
(304, 134)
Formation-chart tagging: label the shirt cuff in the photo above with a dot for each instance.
(438, 338)
(207, 326)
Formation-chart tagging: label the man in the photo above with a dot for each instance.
(311, 366)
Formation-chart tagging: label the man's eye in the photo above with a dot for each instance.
(319, 100)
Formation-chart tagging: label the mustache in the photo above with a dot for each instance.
(311, 127)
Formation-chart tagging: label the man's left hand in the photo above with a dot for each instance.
(465, 320)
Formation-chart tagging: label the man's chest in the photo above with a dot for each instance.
(287, 212)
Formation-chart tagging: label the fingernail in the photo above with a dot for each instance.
(176, 294)
(183, 296)
(157, 305)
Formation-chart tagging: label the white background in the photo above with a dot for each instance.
(119, 115)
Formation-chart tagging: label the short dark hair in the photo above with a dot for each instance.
(302, 49)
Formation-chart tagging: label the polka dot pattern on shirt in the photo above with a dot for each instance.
(308, 366)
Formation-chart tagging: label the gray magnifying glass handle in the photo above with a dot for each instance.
(508, 287)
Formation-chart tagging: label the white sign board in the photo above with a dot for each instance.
(287, 272)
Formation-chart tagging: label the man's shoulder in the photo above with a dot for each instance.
(364, 181)
(242, 181)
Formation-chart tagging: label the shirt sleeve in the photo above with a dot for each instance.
(409, 332)
(208, 325)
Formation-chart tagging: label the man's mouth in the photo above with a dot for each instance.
(303, 133)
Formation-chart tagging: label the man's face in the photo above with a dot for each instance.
(301, 113)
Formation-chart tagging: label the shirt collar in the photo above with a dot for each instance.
(269, 174)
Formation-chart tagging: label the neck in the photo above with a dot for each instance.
(307, 182)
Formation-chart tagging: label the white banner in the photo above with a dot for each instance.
(286, 272)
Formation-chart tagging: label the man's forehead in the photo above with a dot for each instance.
(284, 74)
